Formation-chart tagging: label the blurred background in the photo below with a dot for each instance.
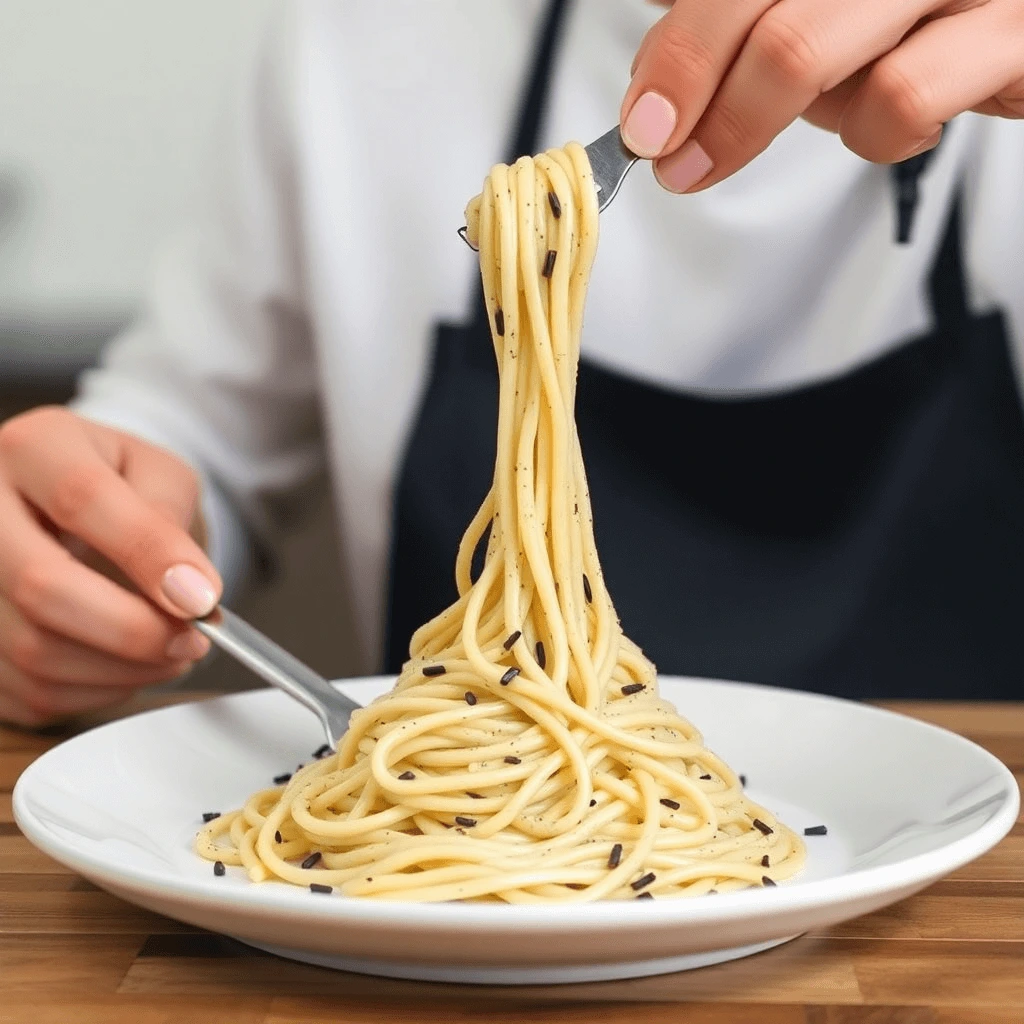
(106, 112)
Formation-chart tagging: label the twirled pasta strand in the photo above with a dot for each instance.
(524, 753)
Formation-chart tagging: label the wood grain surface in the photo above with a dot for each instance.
(954, 954)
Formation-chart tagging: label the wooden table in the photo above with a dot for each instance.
(954, 954)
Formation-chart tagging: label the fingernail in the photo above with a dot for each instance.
(649, 124)
(190, 646)
(930, 143)
(190, 590)
(684, 168)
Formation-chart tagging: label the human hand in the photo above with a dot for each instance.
(71, 639)
(714, 83)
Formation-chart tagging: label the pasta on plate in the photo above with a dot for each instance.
(524, 753)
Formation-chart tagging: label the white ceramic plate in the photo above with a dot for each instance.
(904, 803)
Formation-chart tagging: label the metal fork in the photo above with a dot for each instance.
(279, 668)
(610, 160)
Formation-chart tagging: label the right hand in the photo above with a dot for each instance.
(71, 639)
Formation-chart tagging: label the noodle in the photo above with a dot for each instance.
(524, 753)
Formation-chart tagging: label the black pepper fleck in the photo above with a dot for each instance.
(317, 887)
(499, 322)
(643, 881)
(470, 697)
(218, 868)
(587, 592)
(312, 860)
(615, 856)
(816, 830)
(509, 676)
(511, 641)
(464, 822)
(632, 688)
(280, 780)
(672, 804)
(210, 815)
(767, 882)
(765, 830)
(407, 776)
(541, 656)
(556, 206)
(513, 760)
(434, 670)
(549, 263)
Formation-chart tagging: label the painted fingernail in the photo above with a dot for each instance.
(649, 124)
(190, 590)
(684, 168)
(190, 646)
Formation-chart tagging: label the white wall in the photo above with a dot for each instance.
(106, 109)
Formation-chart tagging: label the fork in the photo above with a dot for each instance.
(279, 668)
(610, 160)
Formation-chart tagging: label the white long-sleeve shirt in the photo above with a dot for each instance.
(289, 323)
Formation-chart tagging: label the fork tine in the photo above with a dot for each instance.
(610, 161)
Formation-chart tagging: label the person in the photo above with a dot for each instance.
(804, 439)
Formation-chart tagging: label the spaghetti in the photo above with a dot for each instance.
(524, 753)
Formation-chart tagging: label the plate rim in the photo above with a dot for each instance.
(913, 872)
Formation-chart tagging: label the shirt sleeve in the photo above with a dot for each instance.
(220, 367)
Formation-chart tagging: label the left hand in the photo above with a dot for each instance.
(714, 82)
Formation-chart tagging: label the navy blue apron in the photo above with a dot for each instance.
(863, 537)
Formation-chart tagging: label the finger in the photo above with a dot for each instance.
(798, 50)
(48, 657)
(160, 478)
(679, 66)
(53, 590)
(32, 703)
(827, 110)
(948, 66)
(62, 473)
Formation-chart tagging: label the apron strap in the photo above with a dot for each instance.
(947, 285)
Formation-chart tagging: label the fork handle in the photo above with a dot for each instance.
(279, 668)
